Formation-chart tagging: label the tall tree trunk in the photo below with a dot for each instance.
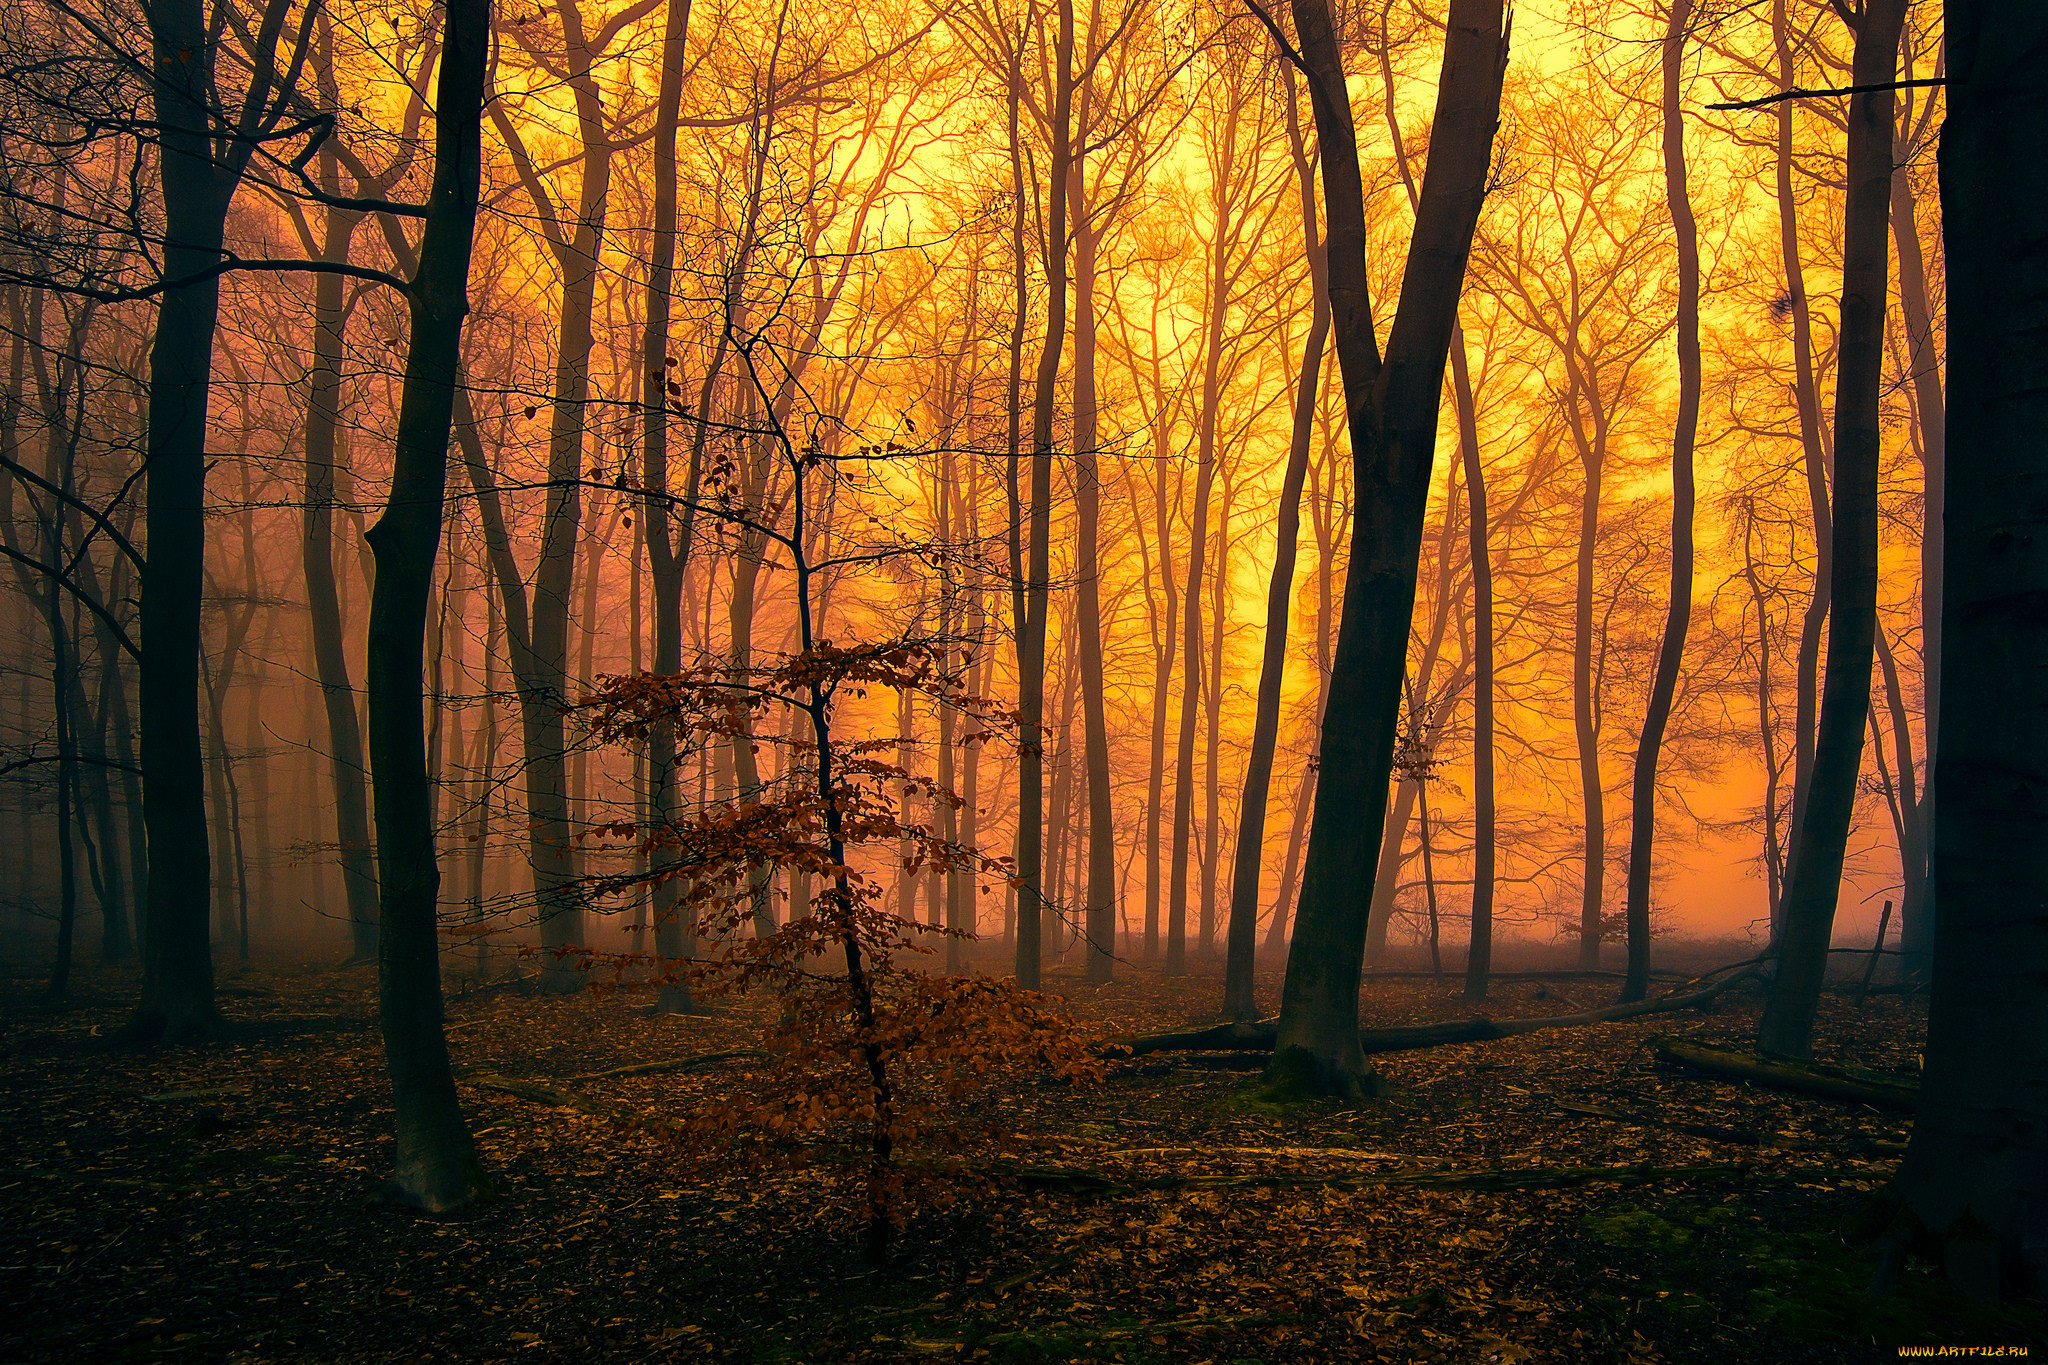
(1198, 536)
(1099, 914)
(1479, 955)
(1038, 571)
(1678, 615)
(323, 600)
(1815, 876)
(1393, 414)
(435, 1166)
(544, 683)
(674, 937)
(1240, 999)
(1972, 1178)
(1813, 448)
(1916, 907)
(177, 1000)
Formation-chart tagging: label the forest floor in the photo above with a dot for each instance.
(214, 1204)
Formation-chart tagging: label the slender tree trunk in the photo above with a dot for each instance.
(323, 601)
(674, 936)
(1099, 914)
(1972, 1178)
(1240, 1000)
(1916, 907)
(1678, 615)
(1823, 832)
(1813, 447)
(435, 1166)
(1393, 414)
(1191, 642)
(1479, 955)
(1037, 584)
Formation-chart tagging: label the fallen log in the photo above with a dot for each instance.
(1298, 1153)
(549, 1096)
(1741, 1137)
(1478, 1029)
(1846, 1084)
(1097, 1332)
(1078, 1181)
(671, 1065)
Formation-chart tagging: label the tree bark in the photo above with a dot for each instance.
(1099, 907)
(1240, 1000)
(199, 174)
(1973, 1179)
(323, 600)
(1822, 835)
(1198, 540)
(435, 1166)
(1393, 413)
(1038, 571)
(1916, 906)
(1813, 448)
(1678, 614)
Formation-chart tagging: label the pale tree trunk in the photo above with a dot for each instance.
(1678, 615)
(1972, 1181)
(1240, 1000)
(1393, 413)
(435, 1165)
(1815, 875)
(544, 682)
(1221, 205)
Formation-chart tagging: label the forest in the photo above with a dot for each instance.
(1024, 680)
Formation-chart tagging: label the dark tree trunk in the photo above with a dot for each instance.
(1099, 912)
(1393, 414)
(1812, 441)
(1239, 998)
(674, 938)
(323, 601)
(177, 961)
(1678, 615)
(1972, 1179)
(1916, 904)
(1822, 834)
(435, 1166)
(1038, 569)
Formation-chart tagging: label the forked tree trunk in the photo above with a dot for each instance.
(1678, 615)
(1393, 413)
(435, 1166)
(1972, 1179)
(1822, 835)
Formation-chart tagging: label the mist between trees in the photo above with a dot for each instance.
(1036, 340)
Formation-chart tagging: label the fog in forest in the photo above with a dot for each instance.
(763, 585)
